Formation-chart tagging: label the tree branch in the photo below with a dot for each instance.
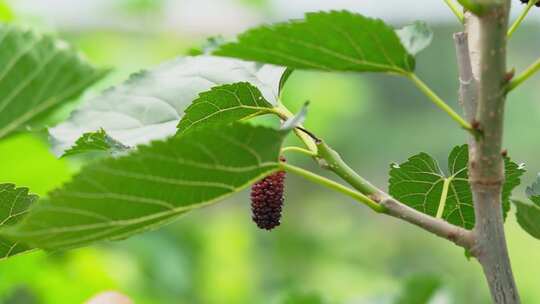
(323, 181)
(424, 88)
(441, 228)
(331, 160)
(521, 17)
(455, 9)
(298, 150)
(468, 95)
(487, 41)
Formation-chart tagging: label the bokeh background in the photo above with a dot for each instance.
(328, 249)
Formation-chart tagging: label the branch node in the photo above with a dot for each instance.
(509, 76)
(376, 197)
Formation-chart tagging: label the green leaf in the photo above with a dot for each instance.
(37, 74)
(329, 41)
(115, 198)
(14, 205)
(415, 37)
(284, 78)
(513, 173)
(475, 6)
(528, 214)
(150, 104)
(419, 289)
(224, 104)
(528, 217)
(97, 141)
(421, 184)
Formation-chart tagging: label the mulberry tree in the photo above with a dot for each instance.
(177, 137)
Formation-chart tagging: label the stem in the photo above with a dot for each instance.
(299, 150)
(439, 102)
(521, 17)
(334, 162)
(530, 71)
(285, 114)
(444, 194)
(323, 181)
(455, 9)
(331, 160)
(487, 40)
(388, 205)
(460, 236)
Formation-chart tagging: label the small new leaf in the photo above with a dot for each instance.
(421, 184)
(297, 120)
(98, 141)
(38, 73)
(115, 198)
(14, 205)
(415, 37)
(528, 214)
(224, 104)
(328, 41)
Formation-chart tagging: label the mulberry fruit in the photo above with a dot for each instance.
(527, 1)
(267, 200)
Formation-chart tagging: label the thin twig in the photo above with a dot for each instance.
(521, 78)
(439, 102)
(467, 83)
(374, 198)
(521, 17)
(455, 9)
(392, 207)
(323, 181)
(299, 150)
(439, 227)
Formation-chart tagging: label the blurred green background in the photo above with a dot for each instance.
(328, 249)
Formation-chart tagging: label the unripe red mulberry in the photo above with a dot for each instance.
(267, 200)
(527, 1)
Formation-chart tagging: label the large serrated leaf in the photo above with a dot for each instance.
(37, 74)
(14, 205)
(116, 198)
(224, 104)
(421, 184)
(150, 104)
(329, 41)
